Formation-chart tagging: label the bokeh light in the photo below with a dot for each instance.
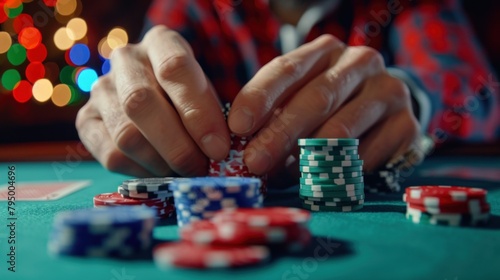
(5, 42)
(3, 15)
(76, 28)
(104, 48)
(86, 78)
(30, 37)
(10, 78)
(13, 8)
(61, 39)
(106, 67)
(21, 22)
(42, 90)
(79, 54)
(67, 75)
(66, 7)
(39, 53)
(35, 71)
(61, 95)
(50, 3)
(16, 54)
(117, 38)
(23, 92)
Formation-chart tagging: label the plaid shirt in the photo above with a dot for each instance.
(429, 41)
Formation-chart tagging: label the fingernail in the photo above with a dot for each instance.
(259, 162)
(215, 146)
(241, 120)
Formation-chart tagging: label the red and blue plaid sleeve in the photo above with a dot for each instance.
(434, 44)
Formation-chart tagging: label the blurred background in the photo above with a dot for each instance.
(52, 51)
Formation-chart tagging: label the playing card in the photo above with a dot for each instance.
(43, 190)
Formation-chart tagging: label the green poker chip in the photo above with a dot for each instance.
(343, 163)
(330, 203)
(332, 188)
(328, 158)
(333, 182)
(307, 175)
(328, 142)
(348, 208)
(331, 169)
(330, 193)
(329, 148)
(307, 152)
(333, 199)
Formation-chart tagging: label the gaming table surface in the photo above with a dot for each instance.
(377, 242)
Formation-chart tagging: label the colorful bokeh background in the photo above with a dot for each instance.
(52, 51)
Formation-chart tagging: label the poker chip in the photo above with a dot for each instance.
(328, 157)
(332, 169)
(332, 176)
(147, 185)
(332, 182)
(200, 198)
(313, 152)
(343, 163)
(446, 205)
(330, 188)
(346, 208)
(322, 142)
(119, 232)
(307, 175)
(145, 195)
(264, 217)
(188, 255)
(163, 206)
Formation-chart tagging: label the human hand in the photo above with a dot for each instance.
(324, 89)
(155, 113)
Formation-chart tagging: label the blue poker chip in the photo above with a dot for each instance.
(116, 232)
(188, 184)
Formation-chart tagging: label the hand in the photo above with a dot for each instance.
(155, 113)
(324, 90)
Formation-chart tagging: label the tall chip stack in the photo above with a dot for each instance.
(331, 175)
(234, 165)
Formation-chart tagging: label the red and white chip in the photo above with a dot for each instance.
(189, 255)
(264, 217)
(436, 196)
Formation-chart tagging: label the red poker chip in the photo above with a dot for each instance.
(264, 217)
(229, 233)
(468, 207)
(115, 199)
(436, 196)
(188, 255)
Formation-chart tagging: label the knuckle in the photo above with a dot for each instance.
(181, 158)
(125, 51)
(287, 66)
(339, 129)
(127, 137)
(194, 116)
(258, 95)
(398, 88)
(369, 56)
(321, 99)
(155, 31)
(173, 64)
(81, 117)
(114, 161)
(137, 99)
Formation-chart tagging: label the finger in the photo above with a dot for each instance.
(311, 106)
(123, 131)
(181, 77)
(380, 96)
(144, 103)
(384, 141)
(277, 80)
(97, 140)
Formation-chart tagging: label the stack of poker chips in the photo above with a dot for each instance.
(331, 175)
(151, 192)
(119, 232)
(234, 238)
(234, 165)
(199, 198)
(447, 205)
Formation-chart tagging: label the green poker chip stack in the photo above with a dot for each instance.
(331, 175)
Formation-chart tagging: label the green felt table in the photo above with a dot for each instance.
(374, 243)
